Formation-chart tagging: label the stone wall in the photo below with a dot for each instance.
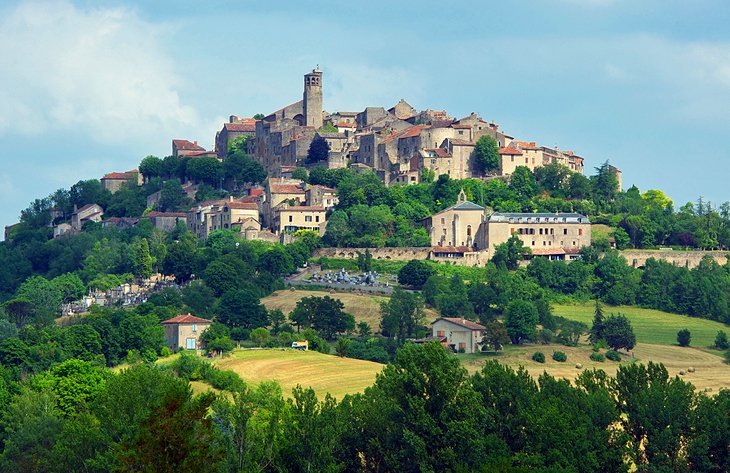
(476, 258)
(689, 259)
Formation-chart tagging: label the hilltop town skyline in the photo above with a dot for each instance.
(621, 101)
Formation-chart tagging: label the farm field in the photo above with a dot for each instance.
(363, 307)
(711, 371)
(651, 326)
(324, 373)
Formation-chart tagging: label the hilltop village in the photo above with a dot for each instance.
(400, 145)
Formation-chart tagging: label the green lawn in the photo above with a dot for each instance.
(650, 326)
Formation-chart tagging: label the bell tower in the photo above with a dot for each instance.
(313, 98)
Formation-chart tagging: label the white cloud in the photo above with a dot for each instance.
(99, 70)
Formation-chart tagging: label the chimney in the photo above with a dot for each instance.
(195, 143)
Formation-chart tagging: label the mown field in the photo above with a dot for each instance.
(651, 326)
(710, 369)
(363, 307)
(324, 373)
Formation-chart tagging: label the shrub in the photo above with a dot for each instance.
(613, 355)
(165, 352)
(545, 336)
(560, 356)
(240, 333)
(598, 357)
(684, 337)
(538, 356)
(721, 342)
(600, 345)
(727, 356)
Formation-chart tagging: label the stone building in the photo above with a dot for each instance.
(87, 213)
(184, 147)
(290, 218)
(461, 335)
(532, 156)
(278, 190)
(554, 235)
(321, 196)
(183, 332)
(166, 221)
(115, 180)
(458, 225)
(235, 128)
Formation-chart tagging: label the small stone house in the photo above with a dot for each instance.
(184, 331)
(461, 334)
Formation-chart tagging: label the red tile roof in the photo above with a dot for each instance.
(251, 198)
(413, 131)
(461, 126)
(440, 152)
(187, 145)
(119, 175)
(242, 205)
(186, 319)
(345, 125)
(256, 192)
(509, 150)
(243, 126)
(201, 153)
(462, 142)
(166, 214)
(462, 322)
(286, 189)
(527, 145)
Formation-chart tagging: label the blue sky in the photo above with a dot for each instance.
(92, 87)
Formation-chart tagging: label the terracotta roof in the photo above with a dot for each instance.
(288, 168)
(548, 251)
(302, 208)
(527, 145)
(242, 205)
(85, 207)
(251, 198)
(413, 131)
(119, 175)
(245, 126)
(509, 150)
(187, 319)
(166, 214)
(462, 322)
(441, 123)
(200, 153)
(187, 145)
(323, 188)
(345, 125)
(286, 189)
(440, 152)
(461, 126)
(255, 192)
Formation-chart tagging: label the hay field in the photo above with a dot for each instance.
(363, 307)
(324, 373)
(711, 370)
(650, 326)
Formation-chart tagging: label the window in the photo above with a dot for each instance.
(307, 218)
(440, 333)
(544, 243)
(443, 220)
(541, 231)
(462, 346)
(533, 242)
(316, 218)
(565, 231)
(580, 231)
(468, 230)
(190, 344)
(195, 328)
(290, 219)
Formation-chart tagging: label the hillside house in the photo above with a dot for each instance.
(87, 213)
(184, 147)
(166, 221)
(184, 331)
(461, 335)
(115, 180)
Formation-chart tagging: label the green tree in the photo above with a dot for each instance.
(324, 314)
(521, 320)
(241, 308)
(599, 319)
(684, 337)
(260, 336)
(44, 296)
(402, 315)
(151, 166)
(318, 150)
(486, 154)
(523, 183)
(510, 253)
(415, 273)
(721, 342)
(142, 260)
(172, 197)
(300, 173)
(618, 333)
(75, 383)
(205, 170)
(495, 335)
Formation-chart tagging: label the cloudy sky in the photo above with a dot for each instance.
(90, 87)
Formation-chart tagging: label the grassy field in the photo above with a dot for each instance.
(362, 307)
(710, 370)
(324, 373)
(651, 326)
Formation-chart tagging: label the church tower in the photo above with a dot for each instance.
(313, 99)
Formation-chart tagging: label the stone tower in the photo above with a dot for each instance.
(313, 99)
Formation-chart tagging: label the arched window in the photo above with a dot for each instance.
(468, 230)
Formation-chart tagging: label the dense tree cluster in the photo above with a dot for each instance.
(424, 413)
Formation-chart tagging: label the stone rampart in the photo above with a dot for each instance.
(688, 259)
(476, 258)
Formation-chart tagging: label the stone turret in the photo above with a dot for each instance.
(313, 98)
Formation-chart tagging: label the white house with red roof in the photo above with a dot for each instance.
(461, 335)
(184, 147)
(184, 331)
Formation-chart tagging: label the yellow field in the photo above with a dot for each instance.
(710, 369)
(324, 373)
(363, 307)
